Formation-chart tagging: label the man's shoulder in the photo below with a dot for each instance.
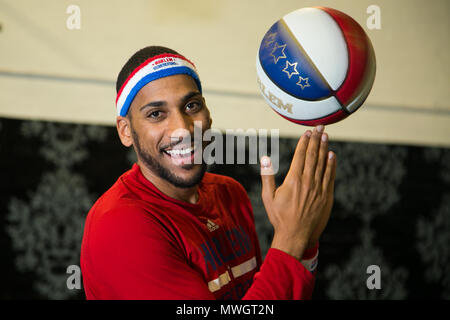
(121, 200)
(117, 195)
(119, 212)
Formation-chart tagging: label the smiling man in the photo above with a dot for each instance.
(167, 229)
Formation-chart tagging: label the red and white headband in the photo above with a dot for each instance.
(154, 68)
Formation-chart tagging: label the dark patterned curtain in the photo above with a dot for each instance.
(392, 210)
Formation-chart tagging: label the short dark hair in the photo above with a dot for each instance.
(137, 59)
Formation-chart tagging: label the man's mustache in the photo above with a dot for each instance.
(187, 140)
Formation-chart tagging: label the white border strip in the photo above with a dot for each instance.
(244, 267)
(219, 282)
(237, 271)
(311, 264)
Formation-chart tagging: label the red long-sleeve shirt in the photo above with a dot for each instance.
(139, 243)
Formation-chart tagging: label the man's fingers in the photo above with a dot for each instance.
(322, 160)
(267, 179)
(312, 153)
(298, 161)
(330, 173)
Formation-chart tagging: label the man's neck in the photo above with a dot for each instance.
(189, 195)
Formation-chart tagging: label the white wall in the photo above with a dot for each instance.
(50, 72)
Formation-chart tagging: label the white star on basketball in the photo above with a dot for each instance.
(303, 82)
(292, 67)
(280, 54)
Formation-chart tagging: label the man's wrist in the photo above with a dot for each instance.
(311, 251)
(293, 247)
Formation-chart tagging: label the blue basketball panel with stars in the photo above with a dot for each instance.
(285, 62)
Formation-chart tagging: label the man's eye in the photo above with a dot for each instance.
(193, 106)
(154, 114)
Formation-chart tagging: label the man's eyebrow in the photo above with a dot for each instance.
(184, 99)
(153, 104)
(190, 95)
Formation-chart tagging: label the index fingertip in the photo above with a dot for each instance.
(265, 162)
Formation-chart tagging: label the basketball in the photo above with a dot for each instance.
(315, 66)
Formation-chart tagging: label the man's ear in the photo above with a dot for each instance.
(209, 114)
(124, 130)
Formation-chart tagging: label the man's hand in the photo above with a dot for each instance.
(300, 208)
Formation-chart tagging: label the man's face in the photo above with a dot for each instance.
(162, 126)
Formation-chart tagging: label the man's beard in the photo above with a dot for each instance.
(164, 173)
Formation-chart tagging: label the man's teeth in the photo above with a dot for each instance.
(176, 152)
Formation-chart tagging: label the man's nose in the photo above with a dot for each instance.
(180, 127)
